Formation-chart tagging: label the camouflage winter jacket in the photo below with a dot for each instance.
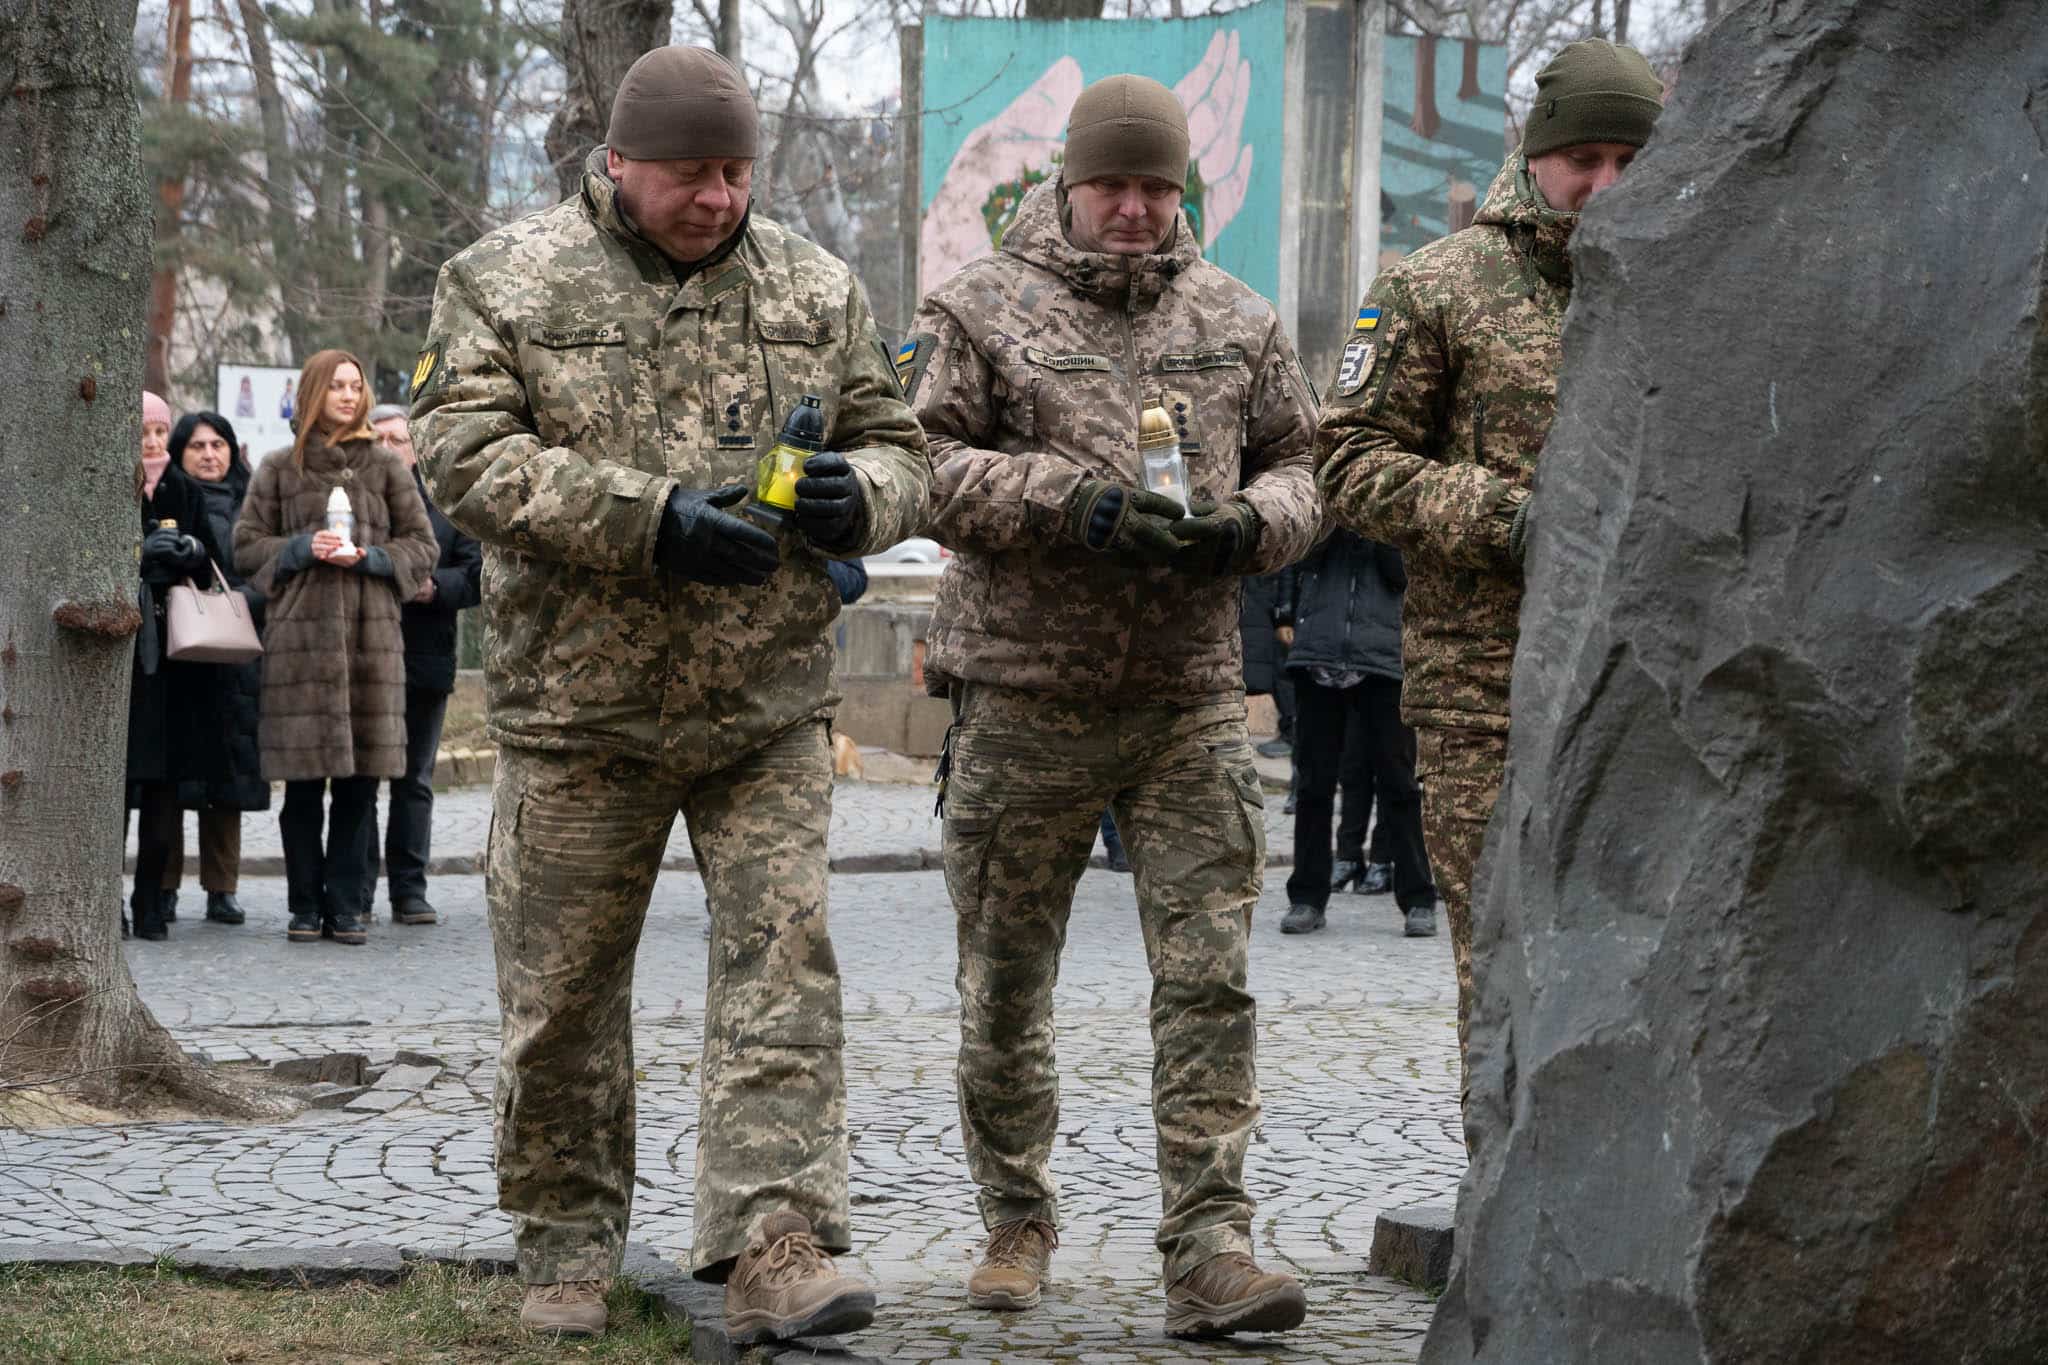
(1029, 371)
(568, 385)
(1430, 434)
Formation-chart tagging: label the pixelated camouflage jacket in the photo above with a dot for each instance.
(1033, 366)
(1435, 443)
(568, 385)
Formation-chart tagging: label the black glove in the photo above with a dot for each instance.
(1218, 538)
(699, 542)
(831, 508)
(1127, 524)
(169, 555)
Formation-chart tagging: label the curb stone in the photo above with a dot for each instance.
(679, 1297)
(1413, 1245)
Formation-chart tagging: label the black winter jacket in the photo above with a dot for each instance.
(1344, 602)
(173, 708)
(1262, 653)
(429, 627)
(241, 785)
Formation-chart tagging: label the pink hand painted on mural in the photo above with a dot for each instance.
(1021, 139)
(1216, 94)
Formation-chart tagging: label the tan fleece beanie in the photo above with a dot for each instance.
(1127, 125)
(683, 104)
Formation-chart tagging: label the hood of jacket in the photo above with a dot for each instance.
(1540, 234)
(1038, 235)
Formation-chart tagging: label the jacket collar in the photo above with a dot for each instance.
(1038, 235)
(1540, 235)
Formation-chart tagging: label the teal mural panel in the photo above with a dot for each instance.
(1441, 142)
(996, 96)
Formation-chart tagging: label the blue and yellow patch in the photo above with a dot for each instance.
(1368, 320)
(906, 353)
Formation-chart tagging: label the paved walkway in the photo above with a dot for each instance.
(1357, 1068)
(876, 827)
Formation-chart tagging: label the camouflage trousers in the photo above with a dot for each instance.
(576, 840)
(1460, 771)
(1029, 778)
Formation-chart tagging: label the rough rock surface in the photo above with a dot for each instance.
(1760, 1055)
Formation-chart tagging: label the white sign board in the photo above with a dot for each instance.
(258, 400)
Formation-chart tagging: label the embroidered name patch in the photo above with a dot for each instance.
(1186, 362)
(806, 331)
(555, 338)
(1097, 363)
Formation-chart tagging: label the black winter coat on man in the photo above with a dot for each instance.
(429, 627)
(1344, 602)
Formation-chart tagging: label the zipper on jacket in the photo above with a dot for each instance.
(1130, 623)
(1479, 431)
(1379, 395)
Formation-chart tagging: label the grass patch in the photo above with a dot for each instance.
(440, 1315)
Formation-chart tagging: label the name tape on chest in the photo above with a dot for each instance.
(1215, 358)
(1069, 363)
(558, 338)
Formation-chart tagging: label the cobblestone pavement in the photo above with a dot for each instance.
(1357, 1066)
(875, 826)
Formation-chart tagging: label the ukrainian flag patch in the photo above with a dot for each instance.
(1368, 320)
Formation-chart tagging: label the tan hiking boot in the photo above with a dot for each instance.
(1012, 1272)
(783, 1286)
(1229, 1293)
(570, 1308)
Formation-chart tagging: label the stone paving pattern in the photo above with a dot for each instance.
(1357, 1067)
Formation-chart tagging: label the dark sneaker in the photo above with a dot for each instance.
(148, 909)
(1376, 880)
(1301, 919)
(1419, 922)
(413, 910)
(170, 907)
(783, 1287)
(1012, 1273)
(572, 1308)
(1229, 1293)
(348, 928)
(1276, 747)
(223, 908)
(1344, 872)
(306, 927)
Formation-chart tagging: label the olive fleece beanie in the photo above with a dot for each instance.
(1127, 125)
(683, 104)
(1593, 91)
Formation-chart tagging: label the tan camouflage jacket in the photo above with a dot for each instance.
(1029, 370)
(568, 385)
(1430, 434)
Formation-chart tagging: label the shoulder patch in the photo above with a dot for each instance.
(912, 359)
(1356, 366)
(426, 368)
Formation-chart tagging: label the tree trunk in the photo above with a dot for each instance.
(600, 39)
(729, 39)
(170, 193)
(277, 181)
(76, 211)
(1621, 21)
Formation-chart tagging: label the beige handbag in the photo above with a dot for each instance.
(209, 625)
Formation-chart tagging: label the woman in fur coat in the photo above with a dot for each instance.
(333, 658)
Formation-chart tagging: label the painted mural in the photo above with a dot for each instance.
(1441, 141)
(997, 94)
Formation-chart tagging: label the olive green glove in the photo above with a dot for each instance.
(1218, 538)
(1124, 523)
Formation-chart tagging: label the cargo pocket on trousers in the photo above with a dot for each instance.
(969, 842)
(502, 881)
(1243, 774)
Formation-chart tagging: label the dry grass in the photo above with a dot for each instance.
(440, 1315)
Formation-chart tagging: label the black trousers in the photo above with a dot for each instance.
(1354, 807)
(409, 834)
(1325, 718)
(158, 825)
(327, 880)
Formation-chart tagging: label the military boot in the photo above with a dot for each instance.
(783, 1286)
(1229, 1293)
(570, 1308)
(1012, 1273)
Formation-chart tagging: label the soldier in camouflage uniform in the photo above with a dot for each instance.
(1087, 635)
(599, 381)
(1429, 438)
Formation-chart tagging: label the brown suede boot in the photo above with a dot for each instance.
(1012, 1272)
(1229, 1293)
(571, 1308)
(783, 1286)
